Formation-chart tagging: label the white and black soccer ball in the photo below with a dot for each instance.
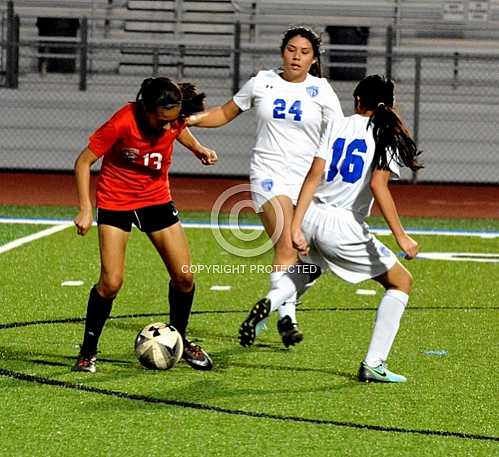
(159, 346)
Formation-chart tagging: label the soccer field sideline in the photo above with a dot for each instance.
(225, 226)
(58, 225)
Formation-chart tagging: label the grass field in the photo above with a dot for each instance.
(261, 401)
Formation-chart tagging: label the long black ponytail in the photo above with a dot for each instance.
(391, 136)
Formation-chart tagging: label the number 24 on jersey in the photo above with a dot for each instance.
(280, 109)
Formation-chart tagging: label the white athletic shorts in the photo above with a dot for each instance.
(341, 242)
(265, 188)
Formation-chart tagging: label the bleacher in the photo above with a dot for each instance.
(44, 23)
(100, 12)
(432, 13)
(69, 8)
(180, 23)
(183, 35)
(194, 19)
(211, 21)
(412, 19)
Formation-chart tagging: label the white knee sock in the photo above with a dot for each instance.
(288, 308)
(388, 317)
(282, 288)
(286, 287)
(302, 281)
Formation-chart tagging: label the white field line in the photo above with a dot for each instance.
(22, 220)
(207, 225)
(377, 231)
(35, 236)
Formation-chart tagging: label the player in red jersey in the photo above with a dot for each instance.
(136, 145)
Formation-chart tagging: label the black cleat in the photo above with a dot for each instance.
(290, 333)
(85, 363)
(247, 331)
(196, 357)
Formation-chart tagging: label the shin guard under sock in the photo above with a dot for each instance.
(180, 308)
(98, 311)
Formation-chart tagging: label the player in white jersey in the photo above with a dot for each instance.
(293, 106)
(290, 119)
(354, 163)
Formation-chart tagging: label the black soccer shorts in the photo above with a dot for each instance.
(148, 219)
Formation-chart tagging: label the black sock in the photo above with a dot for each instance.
(180, 308)
(98, 310)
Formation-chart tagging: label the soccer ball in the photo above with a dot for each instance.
(159, 346)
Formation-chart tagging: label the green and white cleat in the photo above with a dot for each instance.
(378, 374)
(261, 326)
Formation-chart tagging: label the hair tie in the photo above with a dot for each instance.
(381, 104)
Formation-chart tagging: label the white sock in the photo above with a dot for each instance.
(288, 308)
(388, 317)
(281, 289)
(302, 281)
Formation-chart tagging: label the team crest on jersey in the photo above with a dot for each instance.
(313, 91)
(130, 153)
(267, 184)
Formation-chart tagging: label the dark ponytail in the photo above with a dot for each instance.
(192, 100)
(391, 136)
(163, 92)
(315, 41)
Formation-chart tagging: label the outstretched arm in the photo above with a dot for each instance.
(215, 117)
(205, 155)
(307, 191)
(384, 199)
(83, 220)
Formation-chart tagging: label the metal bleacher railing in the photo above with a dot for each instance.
(65, 86)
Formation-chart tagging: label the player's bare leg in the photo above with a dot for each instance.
(112, 244)
(171, 243)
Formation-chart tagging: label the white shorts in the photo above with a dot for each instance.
(265, 188)
(341, 242)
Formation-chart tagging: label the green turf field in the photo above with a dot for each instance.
(262, 401)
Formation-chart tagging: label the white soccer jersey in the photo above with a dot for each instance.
(348, 149)
(290, 120)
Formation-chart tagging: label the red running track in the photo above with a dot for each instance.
(200, 193)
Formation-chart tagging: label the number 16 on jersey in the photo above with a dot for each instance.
(353, 164)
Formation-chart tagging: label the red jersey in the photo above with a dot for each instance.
(134, 171)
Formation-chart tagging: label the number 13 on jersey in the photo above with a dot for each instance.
(153, 160)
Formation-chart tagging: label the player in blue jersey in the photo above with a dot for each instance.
(292, 105)
(352, 168)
